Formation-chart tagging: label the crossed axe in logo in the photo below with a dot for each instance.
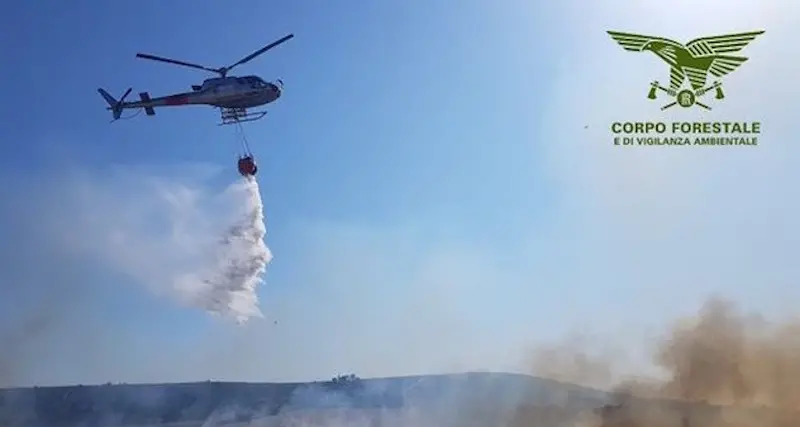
(686, 97)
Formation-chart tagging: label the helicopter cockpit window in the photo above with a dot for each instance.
(254, 81)
(251, 81)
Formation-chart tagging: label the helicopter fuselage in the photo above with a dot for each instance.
(222, 92)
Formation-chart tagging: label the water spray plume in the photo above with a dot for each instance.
(228, 285)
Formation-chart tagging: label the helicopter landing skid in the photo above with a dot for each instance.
(239, 115)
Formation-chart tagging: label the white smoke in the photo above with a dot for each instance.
(168, 232)
(227, 285)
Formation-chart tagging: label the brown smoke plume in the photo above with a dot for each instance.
(724, 368)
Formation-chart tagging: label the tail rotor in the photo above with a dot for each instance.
(115, 106)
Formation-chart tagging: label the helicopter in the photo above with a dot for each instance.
(232, 95)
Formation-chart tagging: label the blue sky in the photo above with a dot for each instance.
(426, 181)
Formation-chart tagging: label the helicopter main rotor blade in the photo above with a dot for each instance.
(172, 61)
(260, 51)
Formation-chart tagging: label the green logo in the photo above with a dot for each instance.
(693, 62)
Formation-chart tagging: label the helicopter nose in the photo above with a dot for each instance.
(275, 88)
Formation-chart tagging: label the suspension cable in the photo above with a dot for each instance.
(243, 138)
(138, 111)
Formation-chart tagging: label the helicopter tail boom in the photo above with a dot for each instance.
(114, 105)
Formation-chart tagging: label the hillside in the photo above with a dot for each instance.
(195, 402)
(471, 399)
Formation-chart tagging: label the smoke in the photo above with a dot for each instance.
(174, 234)
(227, 285)
(19, 345)
(43, 294)
(729, 367)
